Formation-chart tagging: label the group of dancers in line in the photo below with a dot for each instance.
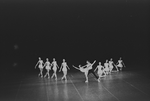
(102, 71)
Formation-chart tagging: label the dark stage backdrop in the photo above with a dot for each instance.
(74, 30)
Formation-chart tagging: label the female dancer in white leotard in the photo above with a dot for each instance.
(84, 70)
(120, 64)
(106, 69)
(55, 67)
(100, 71)
(64, 68)
(40, 66)
(47, 66)
(111, 65)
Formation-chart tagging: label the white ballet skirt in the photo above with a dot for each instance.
(120, 65)
(99, 72)
(40, 66)
(64, 69)
(48, 67)
(83, 70)
(54, 68)
(106, 69)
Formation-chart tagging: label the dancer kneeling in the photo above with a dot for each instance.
(100, 71)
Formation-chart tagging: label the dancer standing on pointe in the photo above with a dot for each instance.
(100, 71)
(120, 64)
(84, 70)
(47, 65)
(64, 68)
(111, 63)
(54, 66)
(87, 69)
(40, 65)
(106, 69)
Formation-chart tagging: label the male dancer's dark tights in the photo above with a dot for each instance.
(92, 71)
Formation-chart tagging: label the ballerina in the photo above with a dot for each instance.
(111, 63)
(120, 64)
(64, 68)
(47, 65)
(40, 66)
(106, 69)
(100, 71)
(54, 66)
(84, 70)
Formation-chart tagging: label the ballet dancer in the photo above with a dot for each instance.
(64, 68)
(54, 66)
(100, 71)
(112, 65)
(87, 69)
(90, 67)
(84, 70)
(47, 66)
(40, 65)
(106, 69)
(120, 64)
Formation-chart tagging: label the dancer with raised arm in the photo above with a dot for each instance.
(120, 64)
(64, 68)
(100, 71)
(40, 66)
(106, 69)
(47, 66)
(112, 65)
(84, 70)
(55, 67)
(90, 67)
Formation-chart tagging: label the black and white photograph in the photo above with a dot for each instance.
(74, 50)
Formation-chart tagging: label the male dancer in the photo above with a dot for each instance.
(120, 64)
(40, 65)
(91, 70)
(54, 66)
(87, 70)
(47, 65)
(64, 68)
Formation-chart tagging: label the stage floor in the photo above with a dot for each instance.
(121, 86)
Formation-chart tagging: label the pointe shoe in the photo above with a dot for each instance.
(86, 81)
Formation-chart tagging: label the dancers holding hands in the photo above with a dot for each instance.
(64, 68)
(86, 69)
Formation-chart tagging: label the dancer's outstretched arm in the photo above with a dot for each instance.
(93, 62)
(123, 64)
(75, 67)
(68, 67)
(95, 68)
(36, 64)
(57, 66)
(60, 68)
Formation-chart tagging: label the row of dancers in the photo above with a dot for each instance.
(86, 69)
